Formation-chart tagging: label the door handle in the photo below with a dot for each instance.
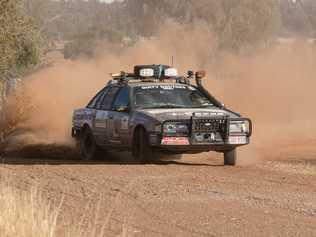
(111, 117)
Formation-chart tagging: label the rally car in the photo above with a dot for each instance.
(153, 112)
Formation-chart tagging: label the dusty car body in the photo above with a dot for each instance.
(153, 111)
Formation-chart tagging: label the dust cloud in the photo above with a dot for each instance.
(273, 86)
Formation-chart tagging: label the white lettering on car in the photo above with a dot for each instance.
(166, 87)
(100, 119)
(124, 123)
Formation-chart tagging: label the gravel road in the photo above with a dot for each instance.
(195, 196)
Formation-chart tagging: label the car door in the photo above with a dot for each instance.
(91, 110)
(104, 123)
(99, 124)
(121, 117)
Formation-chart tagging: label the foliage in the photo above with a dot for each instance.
(236, 24)
(248, 23)
(18, 39)
(298, 18)
(14, 115)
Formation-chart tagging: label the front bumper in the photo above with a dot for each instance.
(155, 142)
(215, 137)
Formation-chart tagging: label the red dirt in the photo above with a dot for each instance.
(196, 196)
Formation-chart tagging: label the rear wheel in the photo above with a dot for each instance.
(142, 152)
(89, 150)
(230, 157)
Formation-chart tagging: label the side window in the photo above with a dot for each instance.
(122, 99)
(101, 98)
(109, 98)
(93, 102)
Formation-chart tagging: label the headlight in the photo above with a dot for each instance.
(239, 127)
(175, 128)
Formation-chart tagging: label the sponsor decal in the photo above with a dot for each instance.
(100, 119)
(165, 87)
(208, 114)
(149, 87)
(181, 112)
(124, 123)
(175, 141)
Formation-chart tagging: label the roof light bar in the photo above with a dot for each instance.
(147, 72)
(171, 72)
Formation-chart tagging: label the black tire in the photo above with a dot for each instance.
(230, 157)
(89, 150)
(142, 152)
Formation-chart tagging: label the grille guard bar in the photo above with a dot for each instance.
(189, 123)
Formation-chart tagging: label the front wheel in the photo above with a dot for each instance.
(230, 157)
(89, 150)
(142, 152)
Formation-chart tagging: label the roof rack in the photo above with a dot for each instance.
(155, 73)
(123, 77)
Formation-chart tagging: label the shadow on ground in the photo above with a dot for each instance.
(53, 154)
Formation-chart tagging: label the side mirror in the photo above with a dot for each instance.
(122, 108)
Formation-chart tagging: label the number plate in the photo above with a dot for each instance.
(175, 141)
(235, 140)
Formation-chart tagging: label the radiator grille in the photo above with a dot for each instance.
(210, 126)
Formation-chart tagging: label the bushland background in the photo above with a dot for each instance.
(32, 28)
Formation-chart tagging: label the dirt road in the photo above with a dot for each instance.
(196, 196)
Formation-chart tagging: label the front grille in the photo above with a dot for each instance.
(209, 127)
(209, 124)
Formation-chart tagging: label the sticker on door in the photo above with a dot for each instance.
(124, 123)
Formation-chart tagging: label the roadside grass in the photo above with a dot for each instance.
(25, 214)
(16, 111)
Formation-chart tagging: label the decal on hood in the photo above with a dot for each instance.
(177, 112)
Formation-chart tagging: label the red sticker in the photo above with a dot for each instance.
(169, 141)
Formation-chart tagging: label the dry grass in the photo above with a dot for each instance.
(29, 214)
(25, 214)
(15, 113)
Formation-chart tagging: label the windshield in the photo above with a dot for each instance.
(169, 96)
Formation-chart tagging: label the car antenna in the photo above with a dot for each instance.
(172, 61)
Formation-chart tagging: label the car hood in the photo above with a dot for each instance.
(175, 114)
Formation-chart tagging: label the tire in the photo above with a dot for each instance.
(230, 157)
(89, 150)
(142, 152)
